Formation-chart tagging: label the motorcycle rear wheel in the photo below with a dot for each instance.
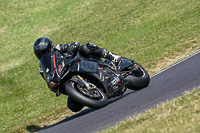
(94, 99)
(139, 78)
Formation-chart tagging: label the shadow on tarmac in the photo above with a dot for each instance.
(35, 128)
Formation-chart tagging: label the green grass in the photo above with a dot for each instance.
(151, 32)
(181, 115)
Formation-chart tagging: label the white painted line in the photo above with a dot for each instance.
(175, 64)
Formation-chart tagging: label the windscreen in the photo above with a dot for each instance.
(45, 63)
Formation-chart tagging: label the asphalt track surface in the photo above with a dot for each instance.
(164, 86)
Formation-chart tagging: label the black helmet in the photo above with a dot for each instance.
(42, 46)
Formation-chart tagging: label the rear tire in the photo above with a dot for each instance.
(139, 79)
(74, 93)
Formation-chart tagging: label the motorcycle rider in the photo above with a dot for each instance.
(44, 46)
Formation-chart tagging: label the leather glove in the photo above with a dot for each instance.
(61, 48)
(73, 47)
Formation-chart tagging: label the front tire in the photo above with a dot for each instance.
(139, 78)
(77, 94)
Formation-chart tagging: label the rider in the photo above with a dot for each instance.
(44, 46)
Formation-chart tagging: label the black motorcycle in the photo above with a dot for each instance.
(91, 81)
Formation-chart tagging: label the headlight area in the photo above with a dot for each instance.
(60, 68)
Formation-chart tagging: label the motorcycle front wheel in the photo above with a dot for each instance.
(89, 96)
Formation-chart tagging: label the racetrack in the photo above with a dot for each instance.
(164, 86)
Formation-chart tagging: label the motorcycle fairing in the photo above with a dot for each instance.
(51, 65)
(87, 66)
(45, 63)
(108, 78)
(84, 66)
(111, 81)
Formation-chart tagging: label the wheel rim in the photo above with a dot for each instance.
(92, 91)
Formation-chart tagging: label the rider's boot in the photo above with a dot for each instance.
(113, 57)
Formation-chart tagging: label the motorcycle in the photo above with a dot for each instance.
(91, 81)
